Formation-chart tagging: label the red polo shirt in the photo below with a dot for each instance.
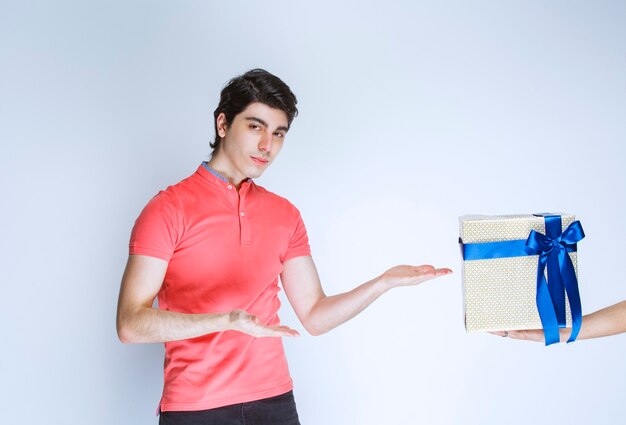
(225, 250)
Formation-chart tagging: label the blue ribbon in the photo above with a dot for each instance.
(552, 249)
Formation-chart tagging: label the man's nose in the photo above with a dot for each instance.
(265, 144)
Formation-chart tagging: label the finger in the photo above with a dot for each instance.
(291, 333)
(525, 335)
(424, 268)
(443, 272)
(431, 274)
(430, 270)
(528, 335)
(276, 330)
(283, 327)
(280, 332)
(287, 329)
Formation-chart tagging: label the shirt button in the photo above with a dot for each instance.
(242, 213)
(230, 186)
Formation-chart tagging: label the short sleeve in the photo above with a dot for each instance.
(157, 229)
(299, 242)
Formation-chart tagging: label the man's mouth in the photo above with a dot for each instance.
(260, 161)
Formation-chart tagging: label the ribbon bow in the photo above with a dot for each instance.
(552, 249)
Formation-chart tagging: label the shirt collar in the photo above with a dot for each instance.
(216, 178)
(215, 173)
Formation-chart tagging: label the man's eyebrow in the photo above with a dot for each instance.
(264, 124)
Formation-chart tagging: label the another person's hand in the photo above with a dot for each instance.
(411, 275)
(247, 323)
(528, 335)
(608, 321)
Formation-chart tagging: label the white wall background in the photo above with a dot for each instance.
(411, 114)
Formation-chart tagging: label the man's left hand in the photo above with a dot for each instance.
(411, 275)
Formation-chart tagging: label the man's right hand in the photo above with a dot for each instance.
(247, 323)
(139, 322)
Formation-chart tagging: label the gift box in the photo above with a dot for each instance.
(520, 272)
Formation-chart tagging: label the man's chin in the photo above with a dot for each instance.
(255, 174)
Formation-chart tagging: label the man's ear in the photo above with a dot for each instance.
(221, 124)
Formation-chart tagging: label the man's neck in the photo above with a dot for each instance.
(222, 170)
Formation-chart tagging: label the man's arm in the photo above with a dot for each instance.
(320, 313)
(138, 321)
(608, 321)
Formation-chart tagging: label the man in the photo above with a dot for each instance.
(211, 248)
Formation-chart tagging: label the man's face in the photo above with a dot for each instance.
(251, 142)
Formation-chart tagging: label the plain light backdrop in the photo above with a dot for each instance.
(411, 114)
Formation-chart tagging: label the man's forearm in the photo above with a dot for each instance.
(330, 312)
(148, 324)
(320, 313)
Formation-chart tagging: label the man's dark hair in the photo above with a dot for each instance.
(256, 85)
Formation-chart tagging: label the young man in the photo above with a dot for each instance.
(211, 248)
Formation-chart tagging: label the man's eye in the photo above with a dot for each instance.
(279, 135)
(255, 126)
